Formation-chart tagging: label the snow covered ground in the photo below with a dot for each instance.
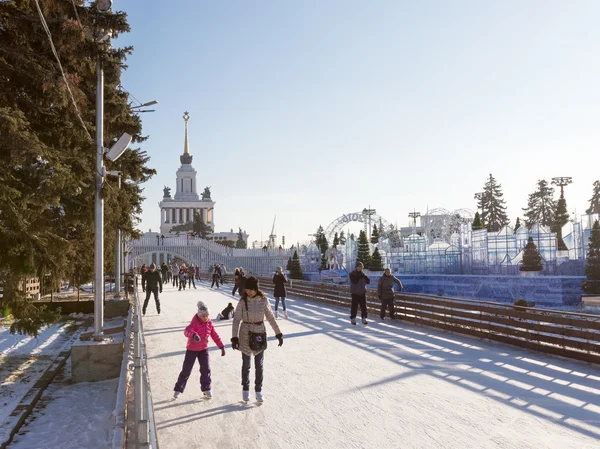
(24, 359)
(390, 385)
(71, 416)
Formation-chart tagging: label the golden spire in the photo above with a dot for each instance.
(186, 149)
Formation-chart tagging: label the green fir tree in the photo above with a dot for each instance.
(540, 206)
(532, 260)
(595, 200)
(288, 267)
(364, 253)
(492, 206)
(375, 235)
(336, 240)
(517, 224)
(591, 285)
(561, 218)
(376, 261)
(296, 269)
(477, 223)
(240, 242)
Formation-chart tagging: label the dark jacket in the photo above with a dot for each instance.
(358, 282)
(385, 286)
(152, 280)
(226, 311)
(279, 280)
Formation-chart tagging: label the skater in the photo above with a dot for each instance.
(227, 313)
(182, 280)
(236, 281)
(279, 280)
(164, 269)
(358, 290)
(175, 275)
(250, 335)
(223, 272)
(191, 275)
(215, 277)
(197, 348)
(152, 283)
(385, 292)
(198, 272)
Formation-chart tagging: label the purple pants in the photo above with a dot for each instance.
(186, 370)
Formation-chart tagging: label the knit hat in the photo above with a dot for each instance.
(203, 308)
(360, 264)
(251, 283)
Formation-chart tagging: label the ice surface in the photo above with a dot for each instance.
(390, 385)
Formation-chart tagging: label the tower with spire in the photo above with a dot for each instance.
(186, 202)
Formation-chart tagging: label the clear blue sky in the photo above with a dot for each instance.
(315, 108)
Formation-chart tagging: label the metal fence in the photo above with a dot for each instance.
(145, 428)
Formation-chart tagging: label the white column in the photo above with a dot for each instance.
(177, 215)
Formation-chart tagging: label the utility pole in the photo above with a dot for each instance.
(99, 206)
(414, 215)
(562, 181)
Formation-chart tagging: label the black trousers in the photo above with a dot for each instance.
(191, 282)
(215, 279)
(156, 301)
(387, 304)
(356, 301)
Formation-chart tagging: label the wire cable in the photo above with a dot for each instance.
(45, 26)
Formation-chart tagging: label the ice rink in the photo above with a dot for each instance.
(389, 385)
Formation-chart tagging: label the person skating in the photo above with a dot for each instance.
(182, 280)
(215, 277)
(236, 281)
(197, 333)
(191, 271)
(279, 292)
(175, 275)
(226, 313)
(223, 271)
(164, 270)
(249, 334)
(152, 283)
(385, 292)
(358, 290)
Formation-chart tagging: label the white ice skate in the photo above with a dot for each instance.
(353, 321)
(365, 322)
(259, 396)
(176, 394)
(208, 394)
(276, 314)
(245, 396)
(285, 315)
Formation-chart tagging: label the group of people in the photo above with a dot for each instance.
(249, 336)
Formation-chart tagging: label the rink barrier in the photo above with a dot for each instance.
(567, 334)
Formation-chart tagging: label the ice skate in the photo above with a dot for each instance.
(245, 396)
(365, 322)
(285, 315)
(176, 394)
(353, 321)
(259, 396)
(208, 394)
(276, 314)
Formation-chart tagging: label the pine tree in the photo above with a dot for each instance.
(342, 238)
(591, 285)
(532, 260)
(336, 240)
(197, 228)
(376, 261)
(296, 269)
(323, 265)
(321, 240)
(477, 223)
(288, 267)
(493, 210)
(47, 165)
(364, 253)
(595, 200)
(375, 235)
(240, 242)
(517, 224)
(561, 218)
(540, 206)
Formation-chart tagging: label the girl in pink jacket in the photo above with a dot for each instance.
(197, 334)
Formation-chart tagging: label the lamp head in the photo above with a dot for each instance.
(119, 147)
(103, 5)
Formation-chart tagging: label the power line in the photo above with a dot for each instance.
(45, 26)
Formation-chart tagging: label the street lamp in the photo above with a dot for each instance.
(150, 103)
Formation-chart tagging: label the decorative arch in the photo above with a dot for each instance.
(357, 217)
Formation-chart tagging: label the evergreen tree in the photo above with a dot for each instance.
(375, 235)
(532, 260)
(47, 152)
(342, 238)
(595, 200)
(197, 228)
(336, 240)
(540, 206)
(296, 269)
(561, 218)
(364, 253)
(321, 240)
(240, 242)
(288, 267)
(323, 265)
(376, 261)
(477, 223)
(517, 224)
(493, 210)
(592, 267)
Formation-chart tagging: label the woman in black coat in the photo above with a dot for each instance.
(279, 280)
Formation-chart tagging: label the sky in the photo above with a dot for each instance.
(312, 109)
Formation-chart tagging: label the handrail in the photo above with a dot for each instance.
(145, 427)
